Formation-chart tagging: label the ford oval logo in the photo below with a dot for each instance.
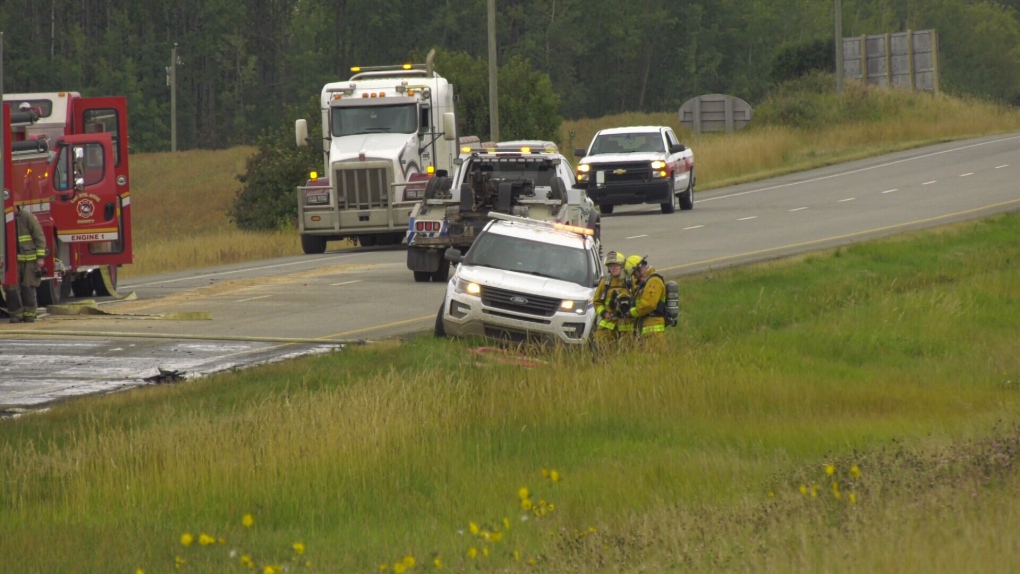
(519, 300)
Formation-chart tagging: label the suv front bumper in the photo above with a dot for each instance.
(466, 315)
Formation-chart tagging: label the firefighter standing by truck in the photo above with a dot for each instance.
(611, 291)
(21, 301)
(651, 311)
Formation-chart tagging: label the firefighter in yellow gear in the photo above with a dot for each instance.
(649, 303)
(21, 300)
(611, 290)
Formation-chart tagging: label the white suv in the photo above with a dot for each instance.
(523, 280)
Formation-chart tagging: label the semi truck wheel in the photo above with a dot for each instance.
(313, 244)
(422, 276)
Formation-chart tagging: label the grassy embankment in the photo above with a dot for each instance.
(885, 360)
(180, 201)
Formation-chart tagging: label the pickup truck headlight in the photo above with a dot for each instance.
(317, 198)
(658, 164)
(467, 287)
(582, 172)
(575, 306)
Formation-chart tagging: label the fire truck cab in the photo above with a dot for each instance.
(385, 129)
(68, 164)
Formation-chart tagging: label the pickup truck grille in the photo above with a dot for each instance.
(631, 172)
(519, 302)
(362, 187)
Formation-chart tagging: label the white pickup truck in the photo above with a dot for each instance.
(640, 164)
(523, 280)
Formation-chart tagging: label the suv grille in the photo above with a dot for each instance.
(631, 172)
(519, 302)
(362, 187)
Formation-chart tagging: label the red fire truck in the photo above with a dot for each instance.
(66, 160)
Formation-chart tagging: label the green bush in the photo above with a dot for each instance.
(797, 59)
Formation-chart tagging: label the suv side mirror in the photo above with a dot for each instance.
(453, 255)
(678, 148)
(580, 152)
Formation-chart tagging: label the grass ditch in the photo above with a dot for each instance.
(181, 200)
(894, 357)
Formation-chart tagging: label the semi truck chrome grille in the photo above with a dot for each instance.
(362, 187)
(519, 302)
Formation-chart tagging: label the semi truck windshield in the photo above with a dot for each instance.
(349, 121)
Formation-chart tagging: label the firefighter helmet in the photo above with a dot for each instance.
(614, 258)
(633, 262)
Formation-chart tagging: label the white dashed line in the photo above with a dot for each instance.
(966, 174)
(345, 283)
(929, 182)
(847, 199)
(253, 298)
(798, 209)
(637, 236)
(693, 227)
(1001, 166)
(890, 190)
(746, 218)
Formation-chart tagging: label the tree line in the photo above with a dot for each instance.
(252, 66)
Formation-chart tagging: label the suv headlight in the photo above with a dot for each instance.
(573, 305)
(467, 287)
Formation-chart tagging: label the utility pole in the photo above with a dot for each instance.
(172, 80)
(839, 48)
(493, 98)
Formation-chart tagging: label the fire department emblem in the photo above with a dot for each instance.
(86, 208)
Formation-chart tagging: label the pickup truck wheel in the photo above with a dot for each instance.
(422, 276)
(687, 198)
(669, 207)
(440, 330)
(313, 244)
(607, 209)
(442, 275)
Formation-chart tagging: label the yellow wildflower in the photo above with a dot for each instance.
(803, 489)
(814, 491)
(139, 571)
(247, 520)
(187, 539)
(474, 528)
(205, 540)
(384, 567)
(853, 499)
(272, 569)
(830, 469)
(554, 476)
(591, 529)
(298, 547)
(438, 563)
(523, 493)
(179, 561)
(517, 555)
(526, 503)
(485, 550)
(506, 523)
(399, 568)
(247, 562)
(222, 540)
(772, 494)
(552, 507)
(531, 561)
(855, 472)
(472, 552)
(409, 561)
(496, 536)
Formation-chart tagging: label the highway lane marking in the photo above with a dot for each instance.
(851, 172)
(847, 199)
(344, 283)
(219, 273)
(1001, 166)
(890, 190)
(252, 298)
(837, 237)
(797, 209)
(929, 182)
(692, 227)
(746, 218)
(966, 174)
(636, 236)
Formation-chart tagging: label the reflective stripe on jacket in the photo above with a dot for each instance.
(31, 239)
(650, 292)
(608, 288)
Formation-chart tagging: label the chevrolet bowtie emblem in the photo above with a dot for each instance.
(620, 171)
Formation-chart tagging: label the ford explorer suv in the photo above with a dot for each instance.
(634, 165)
(523, 280)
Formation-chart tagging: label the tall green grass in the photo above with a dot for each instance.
(886, 355)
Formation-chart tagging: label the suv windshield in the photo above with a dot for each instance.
(628, 143)
(532, 257)
(402, 119)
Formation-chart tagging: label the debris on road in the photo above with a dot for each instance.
(166, 376)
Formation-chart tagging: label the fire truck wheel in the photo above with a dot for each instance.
(313, 244)
(81, 286)
(442, 275)
(96, 275)
(48, 293)
(66, 289)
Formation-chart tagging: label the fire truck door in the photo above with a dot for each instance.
(95, 116)
(85, 206)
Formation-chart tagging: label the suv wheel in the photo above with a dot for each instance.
(440, 330)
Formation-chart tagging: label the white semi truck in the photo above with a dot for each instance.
(384, 129)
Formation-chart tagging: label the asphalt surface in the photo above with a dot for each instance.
(277, 309)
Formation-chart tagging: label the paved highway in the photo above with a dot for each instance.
(275, 309)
